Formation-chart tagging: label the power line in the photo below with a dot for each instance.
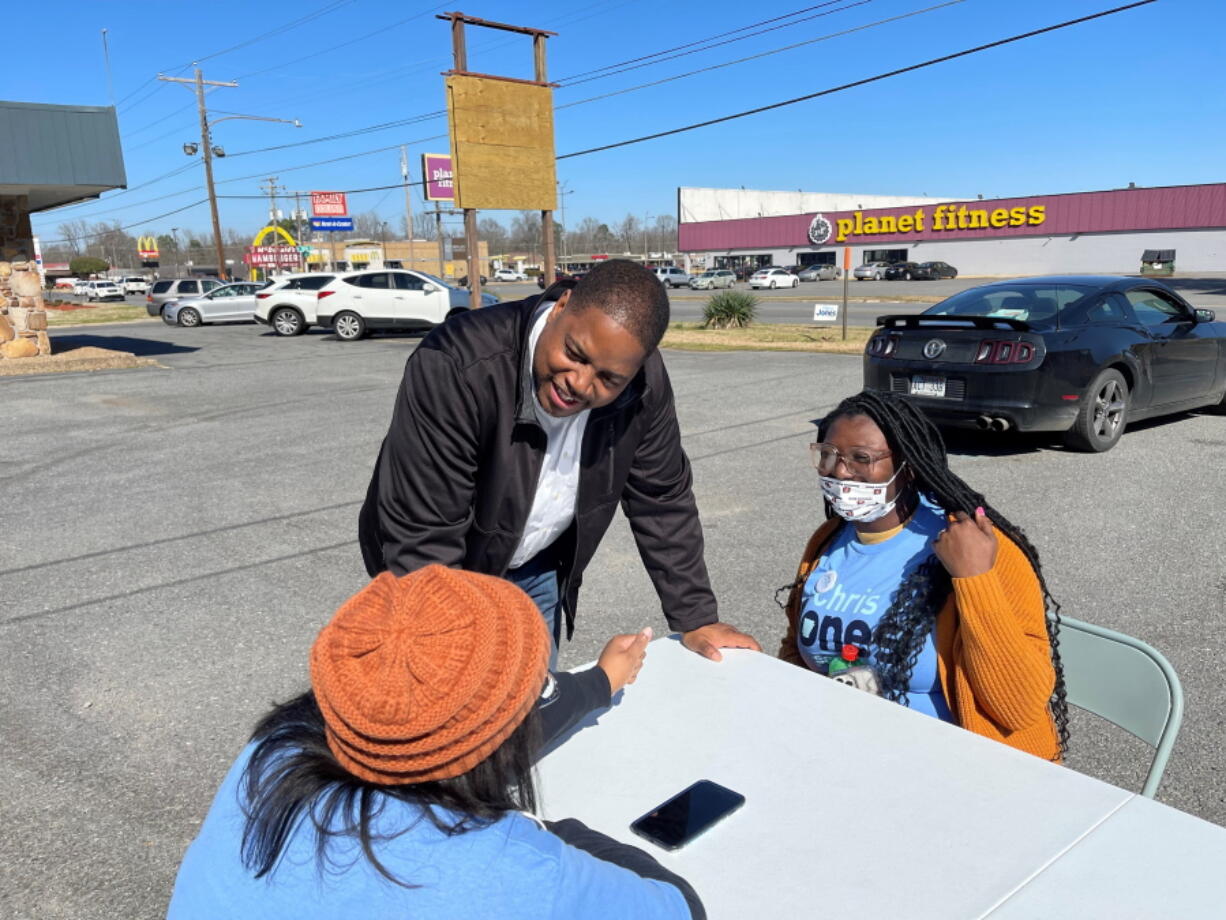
(575, 81)
(754, 57)
(852, 85)
(194, 204)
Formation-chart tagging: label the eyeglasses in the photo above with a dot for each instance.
(859, 461)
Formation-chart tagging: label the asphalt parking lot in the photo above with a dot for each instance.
(175, 536)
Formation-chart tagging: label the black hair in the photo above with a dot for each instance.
(905, 625)
(293, 777)
(629, 294)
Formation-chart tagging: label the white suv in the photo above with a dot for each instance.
(103, 290)
(671, 276)
(509, 274)
(358, 302)
(135, 286)
(289, 304)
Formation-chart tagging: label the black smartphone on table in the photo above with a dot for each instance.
(687, 814)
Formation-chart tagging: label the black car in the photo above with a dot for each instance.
(900, 270)
(1079, 354)
(559, 276)
(931, 271)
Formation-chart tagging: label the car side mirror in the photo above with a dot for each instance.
(1205, 316)
(430, 288)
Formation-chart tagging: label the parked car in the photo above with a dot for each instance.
(820, 273)
(559, 276)
(288, 305)
(1083, 355)
(509, 274)
(103, 290)
(870, 271)
(931, 271)
(672, 276)
(165, 289)
(80, 286)
(67, 284)
(229, 303)
(356, 303)
(773, 278)
(135, 285)
(900, 271)
(715, 278)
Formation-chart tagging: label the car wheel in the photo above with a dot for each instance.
(349, 326)
(906, 276)
(796, 283)
(877, 277)
(1103, 414)
(772, 285)
(287, 321)
(189, 317)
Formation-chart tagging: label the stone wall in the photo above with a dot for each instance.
(23, 318)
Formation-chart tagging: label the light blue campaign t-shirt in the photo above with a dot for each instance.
(853, 584)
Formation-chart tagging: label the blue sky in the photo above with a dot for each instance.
(1133, 97)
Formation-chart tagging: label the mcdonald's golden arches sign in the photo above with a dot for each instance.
(147, 248)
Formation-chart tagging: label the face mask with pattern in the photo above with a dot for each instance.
(859, 502)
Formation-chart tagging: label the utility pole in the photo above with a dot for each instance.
(538, 53)
(408, 204)
(206, 145)
(438, 238)
(563, 191)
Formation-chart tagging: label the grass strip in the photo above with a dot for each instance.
(97, 313)
(766, 337)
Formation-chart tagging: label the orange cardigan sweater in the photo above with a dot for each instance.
(993, 654)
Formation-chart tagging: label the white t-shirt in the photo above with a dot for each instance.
(553, 506)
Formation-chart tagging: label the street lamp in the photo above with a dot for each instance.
(383, 243)
(210, 151)
(174, 235)
(646, 217)
(563, 191)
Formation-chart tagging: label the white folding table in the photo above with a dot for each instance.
(853, 803)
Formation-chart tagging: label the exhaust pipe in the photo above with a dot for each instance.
(983, 422)
(1000, 424)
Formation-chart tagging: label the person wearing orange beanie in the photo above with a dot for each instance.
(401, 783)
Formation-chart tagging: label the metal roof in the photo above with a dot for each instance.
(57, 154)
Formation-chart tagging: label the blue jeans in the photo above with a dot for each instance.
(538, 578)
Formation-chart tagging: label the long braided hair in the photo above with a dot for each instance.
(906, 624)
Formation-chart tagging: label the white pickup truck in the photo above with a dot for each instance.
(134, 285)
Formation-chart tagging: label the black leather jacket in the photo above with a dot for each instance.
(457, 472)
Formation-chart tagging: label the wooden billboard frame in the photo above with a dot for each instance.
(502, 148)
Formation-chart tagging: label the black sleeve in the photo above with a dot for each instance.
(582, 837)
(658, 500)
(568, 698)
(418, 508)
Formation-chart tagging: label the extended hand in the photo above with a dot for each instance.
(968, 546)
(623, 656)
(708, 640)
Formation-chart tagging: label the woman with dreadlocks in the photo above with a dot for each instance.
(918, 589)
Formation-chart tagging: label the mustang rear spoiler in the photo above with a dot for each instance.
(896, 321)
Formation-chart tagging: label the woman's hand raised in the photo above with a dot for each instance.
(968, 546)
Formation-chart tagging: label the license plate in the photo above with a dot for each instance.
(928, 386)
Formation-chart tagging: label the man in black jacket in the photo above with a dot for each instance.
(517, 431)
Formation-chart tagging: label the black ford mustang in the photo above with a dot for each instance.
(1078, 354)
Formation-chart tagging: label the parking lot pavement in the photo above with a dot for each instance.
(174, 538)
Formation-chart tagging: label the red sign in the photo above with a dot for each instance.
(329, 204)
(272, 256)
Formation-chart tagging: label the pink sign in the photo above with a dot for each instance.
(436, 169)
(329, 204)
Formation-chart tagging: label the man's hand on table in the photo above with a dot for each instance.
(622, 657)
(708, 640)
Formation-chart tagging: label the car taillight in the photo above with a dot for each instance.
(148, 298)
(882, 346)
(322, 294)
(262, 296)
(1001, 351)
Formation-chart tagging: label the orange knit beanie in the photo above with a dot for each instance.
(422, 677)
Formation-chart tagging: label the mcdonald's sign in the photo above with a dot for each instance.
(147, 249)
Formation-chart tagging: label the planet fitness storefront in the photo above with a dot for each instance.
(1084, 232)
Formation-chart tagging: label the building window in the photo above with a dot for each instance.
(884, 255)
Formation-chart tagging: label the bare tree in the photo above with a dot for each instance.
(664, 234)
(75, 234)
(630, 233)
(367, 226)
(526, 231)
(423, 226)
(495, 235)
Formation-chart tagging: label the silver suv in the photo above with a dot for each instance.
(671, 276)
(176, 289)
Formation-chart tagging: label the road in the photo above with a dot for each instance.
(174, 538)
